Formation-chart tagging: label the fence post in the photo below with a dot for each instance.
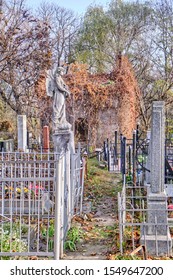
(105, 152)
(72, 160)
(108, 154)
(68, 184)
(134, 157)
(120, 223)
(82, 184)
(116, 147)
(121, 152)
(123, 201)
(130, 160)
(79, 177)
(134, 168)
(57, 208)
(124, 159)
(123, 156)
(137, 133)
(85, 156)
(62, 225)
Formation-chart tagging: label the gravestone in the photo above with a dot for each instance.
(22, 132)
(157, 237)
(7, 145)
(29, 140)
(46, 141)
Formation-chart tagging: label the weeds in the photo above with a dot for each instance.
(100, 182)
(73, 236)
(10, 238)
(127, 257)
(48, 232)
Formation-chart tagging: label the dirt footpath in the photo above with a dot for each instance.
(99, 231)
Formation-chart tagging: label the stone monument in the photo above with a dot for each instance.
(22, 133)
(156, 234)
(56, 88)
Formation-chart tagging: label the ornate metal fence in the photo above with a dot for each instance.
(39, 194)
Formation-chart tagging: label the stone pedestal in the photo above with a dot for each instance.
(22, 132)
(156, 235)
(63, 140)
(158, 246)
(157, 214)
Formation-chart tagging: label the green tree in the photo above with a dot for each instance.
(91, 47)
(105, 34)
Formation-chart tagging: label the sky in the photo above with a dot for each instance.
(78, 6)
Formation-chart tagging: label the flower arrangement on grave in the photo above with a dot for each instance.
(36, 190)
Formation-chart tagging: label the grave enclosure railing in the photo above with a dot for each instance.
(127, 156)
(39, 195)
(134, 225)
(140, 221)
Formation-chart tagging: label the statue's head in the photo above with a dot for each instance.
(60, 70)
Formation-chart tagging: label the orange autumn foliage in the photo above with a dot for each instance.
(92, 93)
(128, 93)
(95, 92)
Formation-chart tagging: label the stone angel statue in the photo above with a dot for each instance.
(56, 88)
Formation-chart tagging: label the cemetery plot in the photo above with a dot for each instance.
(155, 227)
(135, 226)
(26, 182)
(30, 220)
(146, 164)
(27, 196)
